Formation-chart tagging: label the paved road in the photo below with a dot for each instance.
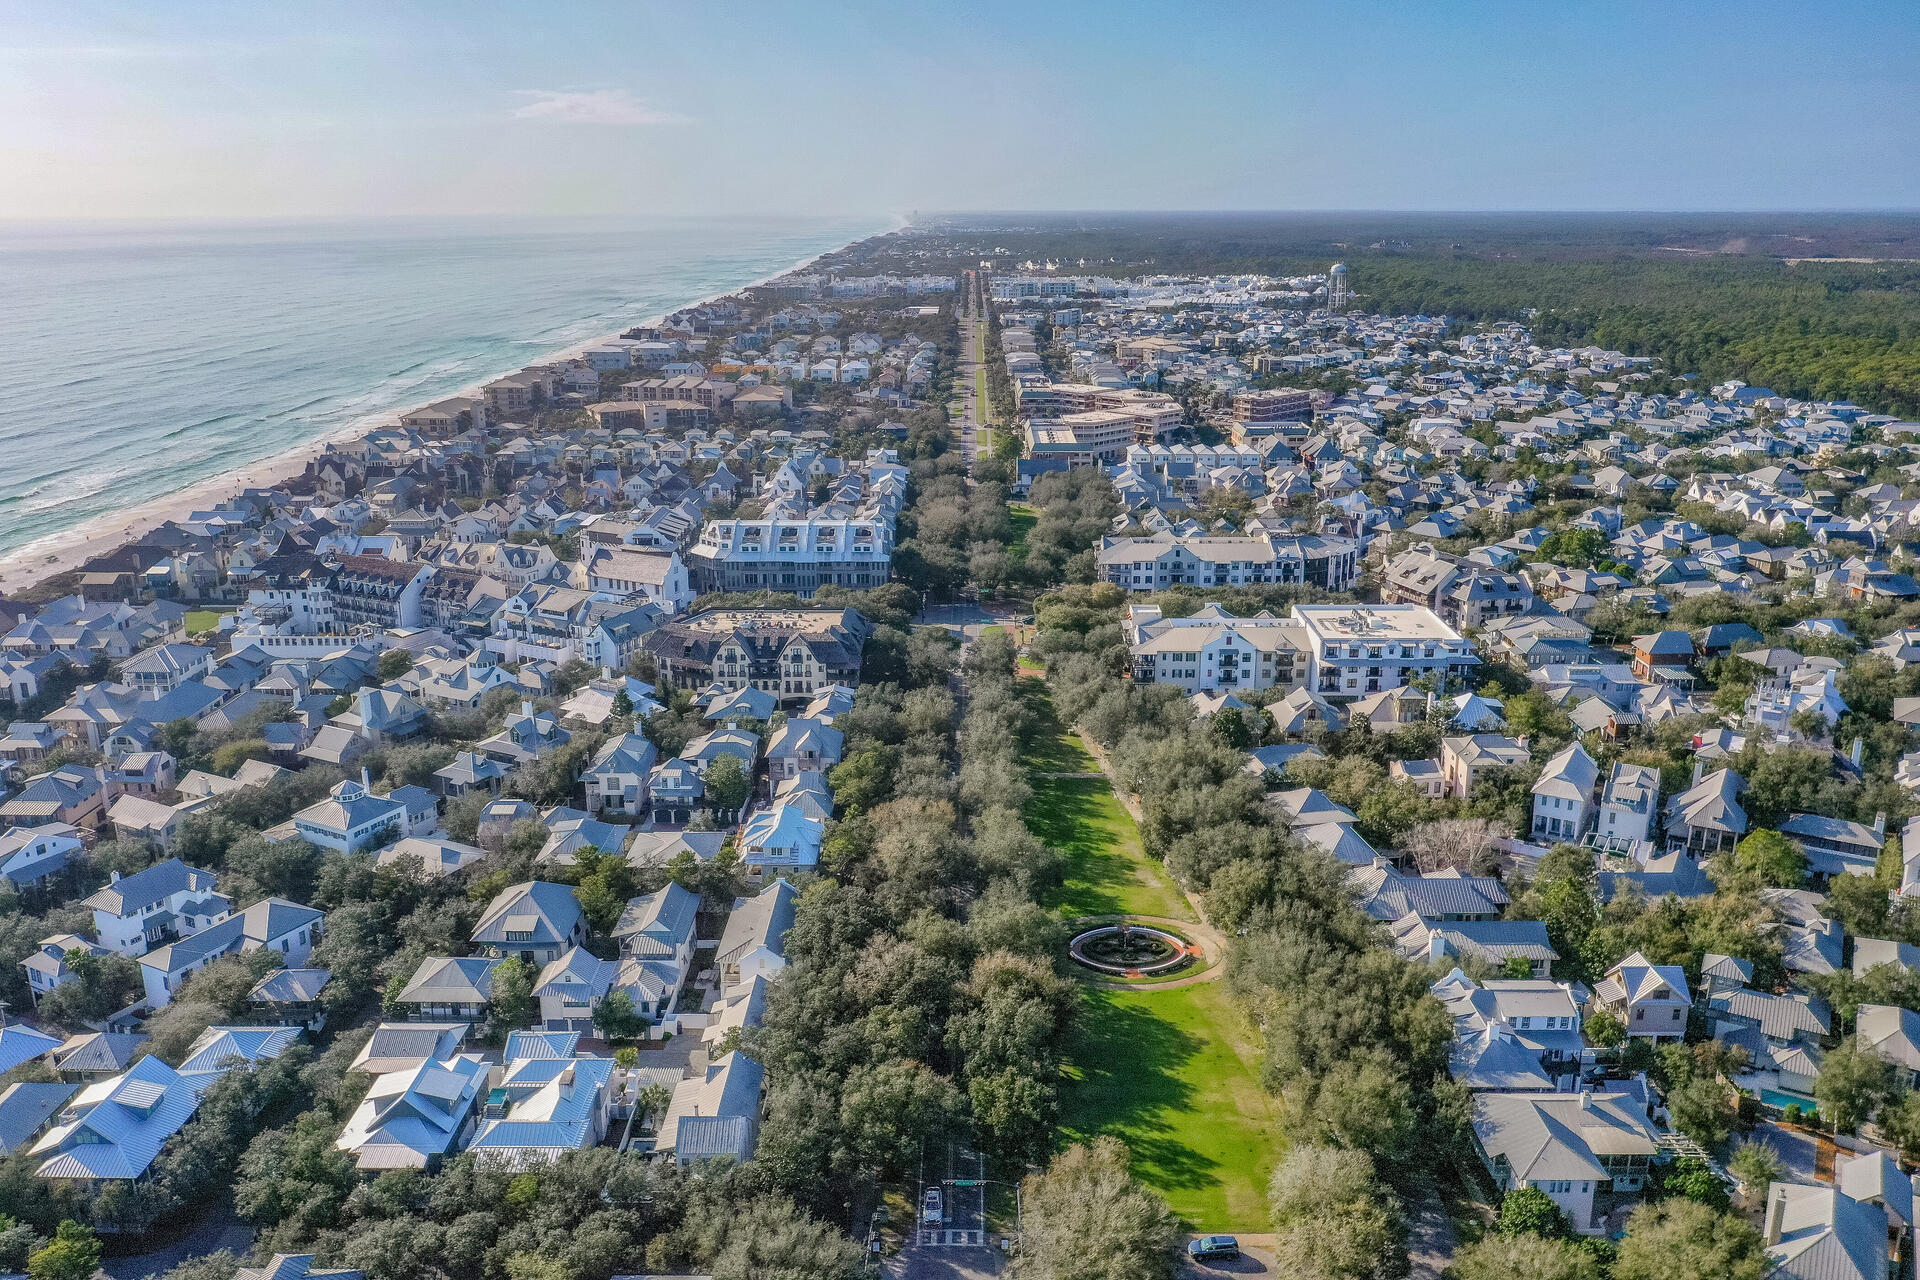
(973, 351)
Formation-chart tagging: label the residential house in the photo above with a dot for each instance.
(616, 780)
(167, 900)
(273, 923)
(450, 989)
(1574, 1147)
(47, 965)
(540, 1119)
(1464, 759)
(1707, 817)
(802, 745)
(1563, 796)
(1894, 1034)
(352, 818)
(715, 1114)
(1650, 1000)
(413, 1119)
(112, 1129)
(783, 837)
(753, 943)
(535, 921)
(30, 854)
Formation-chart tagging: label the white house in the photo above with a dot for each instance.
(274, 923)
(168, 900)
(1567, 1145)
(754, 943)
(28, 854)
(1627, 806)
(1563, 797)
(352, 818)
(783, 837)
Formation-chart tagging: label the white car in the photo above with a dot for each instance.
(930, 1208)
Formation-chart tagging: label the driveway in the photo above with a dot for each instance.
(1798, 1150)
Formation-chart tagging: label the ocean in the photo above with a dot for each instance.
(136, 360)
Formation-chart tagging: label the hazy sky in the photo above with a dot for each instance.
(187, 108)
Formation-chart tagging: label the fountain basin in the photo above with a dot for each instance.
(1131, 950)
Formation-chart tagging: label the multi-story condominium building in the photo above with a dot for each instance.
(559, 624)
(654, 574)
(1355, 650)
(1282, 411)
(708, 393)
(1096, 437)
(1465, 595)
(378, 592)
(791, 653)
(794, 555)
(1212, 651)
(1165, 560)
(1152, 413)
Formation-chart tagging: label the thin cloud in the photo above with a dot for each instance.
(600, 106)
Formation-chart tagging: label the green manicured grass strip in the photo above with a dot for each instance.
(1175, 1075)
(1107, 873)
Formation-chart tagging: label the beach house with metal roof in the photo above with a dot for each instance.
(539, 1121)
(754, 943)
(535, 921)
(412, 1119)
(114, 1128)
(1570, 1146)
(716, 1114)
(449, 989)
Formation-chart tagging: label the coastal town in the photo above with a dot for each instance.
(954, 759)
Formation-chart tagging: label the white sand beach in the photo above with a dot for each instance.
(67, 551)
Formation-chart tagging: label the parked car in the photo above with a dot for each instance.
(1214, 1249)
(930, 1208)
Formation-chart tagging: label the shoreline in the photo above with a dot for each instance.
(64, 552)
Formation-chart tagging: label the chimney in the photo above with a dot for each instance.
(1880, 818)
(113, 877)
(366, 783)
(526, 709)
(1776, 1214)
(1854, 755)
(1699, 768)
(1523, 740)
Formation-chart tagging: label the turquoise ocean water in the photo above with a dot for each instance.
(136, 360)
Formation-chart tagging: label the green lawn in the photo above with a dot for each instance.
(1175, 1074)
(1022, 517)
(199, 620)
(1176, 1077)
(1107, 873)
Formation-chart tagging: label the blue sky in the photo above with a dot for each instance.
(195, 109)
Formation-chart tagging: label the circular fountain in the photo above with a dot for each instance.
(1131, 950)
